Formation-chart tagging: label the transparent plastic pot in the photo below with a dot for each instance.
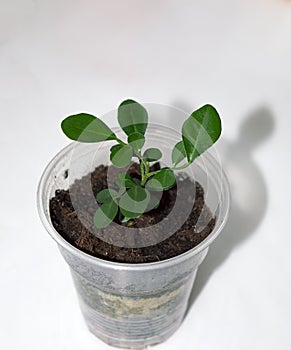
(133, 305)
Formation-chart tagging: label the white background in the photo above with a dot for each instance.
(59, 57)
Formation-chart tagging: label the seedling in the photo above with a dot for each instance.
(136, 196)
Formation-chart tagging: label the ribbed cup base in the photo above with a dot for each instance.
(131, 333)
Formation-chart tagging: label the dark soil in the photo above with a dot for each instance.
(67, 223)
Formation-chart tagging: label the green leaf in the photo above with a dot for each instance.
(200, 131)
(137, 193)
(154, 202)
(128, 215)
(105, 214)
(134, 202)
(120, 155)
(106, 194)
(125, 181)
(132, 117)
(136, 141)
(86, 128)
(152, 154)
(178, 153)
(114, 149)
(125, 219)
(162, 180)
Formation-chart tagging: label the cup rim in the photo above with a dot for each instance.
(224, 206)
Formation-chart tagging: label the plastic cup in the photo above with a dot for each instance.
(133, 305)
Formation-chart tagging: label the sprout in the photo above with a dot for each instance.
(199, 132)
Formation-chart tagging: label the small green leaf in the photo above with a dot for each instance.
(137, 193)
(136, 141)
(178, 153)
(120, 155)
(125, 181)
(154, 202)
(132, 117)
(86, 128)
(152, 154)
(114, 149)
(134, 202)
(105, 214)
(200, 131)
(106, 194)
(163, 180)
(125, 219)
(128, 215)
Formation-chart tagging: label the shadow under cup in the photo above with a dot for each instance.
(133, 305)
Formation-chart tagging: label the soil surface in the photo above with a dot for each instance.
(65, 220)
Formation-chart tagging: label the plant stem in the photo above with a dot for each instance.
(120, 142)
(144, 165)
(142, 170)
(147, 165)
